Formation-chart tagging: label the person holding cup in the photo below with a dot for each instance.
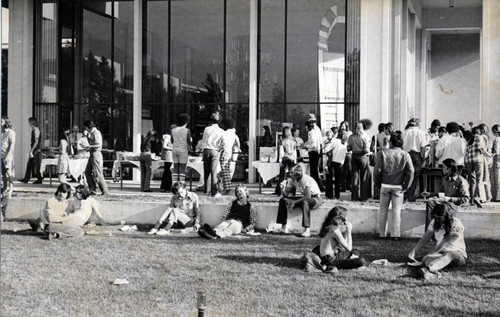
(453, 191)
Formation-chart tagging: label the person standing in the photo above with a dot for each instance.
(414, 142)
(359, 144)
(63, 161)
(181, 144)
(8, 144)
(393, 173)
(451, 146)
(298, 140)
(289, 156)
(73, 137)
(336, 157)
(314, 143)
(148, 147)
(166, 156)
(230, 141)
(475, 164)
(35, 154)
(495, 168)
(211, 144)
(95, 165)
(344, 134)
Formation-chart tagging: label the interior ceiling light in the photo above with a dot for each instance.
(452, 3)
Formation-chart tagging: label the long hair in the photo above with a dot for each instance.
(64, 189)
(336, 216)
(443, 210)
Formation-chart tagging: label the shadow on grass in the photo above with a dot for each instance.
(24, 232)
(293, 263)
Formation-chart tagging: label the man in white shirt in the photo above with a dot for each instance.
(414, 142)
(94, 170)
(231, 141)
(8, 144)
(314, 143)
(451, 146)
(211, 144)
(310, 199)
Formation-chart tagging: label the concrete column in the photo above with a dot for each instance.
(137, 100)
(375, 60)
(20, 78)
(253, 80)
(490, 63)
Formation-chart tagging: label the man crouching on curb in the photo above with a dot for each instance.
(310, 199)
(239, 217)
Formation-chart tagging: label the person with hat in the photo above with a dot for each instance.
(414, 142)
(212, 142)
(451, 146)
(313, 145)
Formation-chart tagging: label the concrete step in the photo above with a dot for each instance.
(146, 208)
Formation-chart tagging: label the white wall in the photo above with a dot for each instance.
(454, 85)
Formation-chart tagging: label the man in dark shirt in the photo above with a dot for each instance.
(35, 155)
(239, 217)
(453, 191)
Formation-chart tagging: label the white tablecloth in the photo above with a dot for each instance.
(195, 163)
(154, 165)
(270, 170)
(76, 166)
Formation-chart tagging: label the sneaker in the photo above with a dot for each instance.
(206, 235)
(282, 230)
(217, 195)
(24, 180)
(153, 231)
(163, 232)
(208, 229)
(306, 233)
(427, 274)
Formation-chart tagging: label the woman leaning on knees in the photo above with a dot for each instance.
(184, 211)
(335, 250)
(450, 244)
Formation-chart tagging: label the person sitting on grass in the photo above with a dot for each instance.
(184, 211)
(239, 217)
(450, 247)
(335, 250)
(454, 187)
(56, 208)
(79, 213)
(310, 199)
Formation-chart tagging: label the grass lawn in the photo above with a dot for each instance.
(246, 276)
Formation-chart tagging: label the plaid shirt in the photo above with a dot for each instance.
(253, 215)
(475, 151)
(189, 205)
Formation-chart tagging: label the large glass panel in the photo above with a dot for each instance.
(5, 56)
(123, 66)
(155, 66)
(237, 51)
(46, 52)
(315, 39)
(197, 48)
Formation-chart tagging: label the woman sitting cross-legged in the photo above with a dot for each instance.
(335, 250)
(79, 213)
(184, 211)
(450, 247)
(239, 217)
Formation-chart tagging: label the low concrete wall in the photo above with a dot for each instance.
(478, 222)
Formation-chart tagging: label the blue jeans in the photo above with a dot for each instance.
(386, 196)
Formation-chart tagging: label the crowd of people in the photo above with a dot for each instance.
(468, 157)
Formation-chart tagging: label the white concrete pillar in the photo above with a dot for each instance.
(490, 63)
(375, 60)
(253, 80)
(137, 100)
(20, 78)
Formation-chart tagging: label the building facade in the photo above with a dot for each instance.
(135, 65)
